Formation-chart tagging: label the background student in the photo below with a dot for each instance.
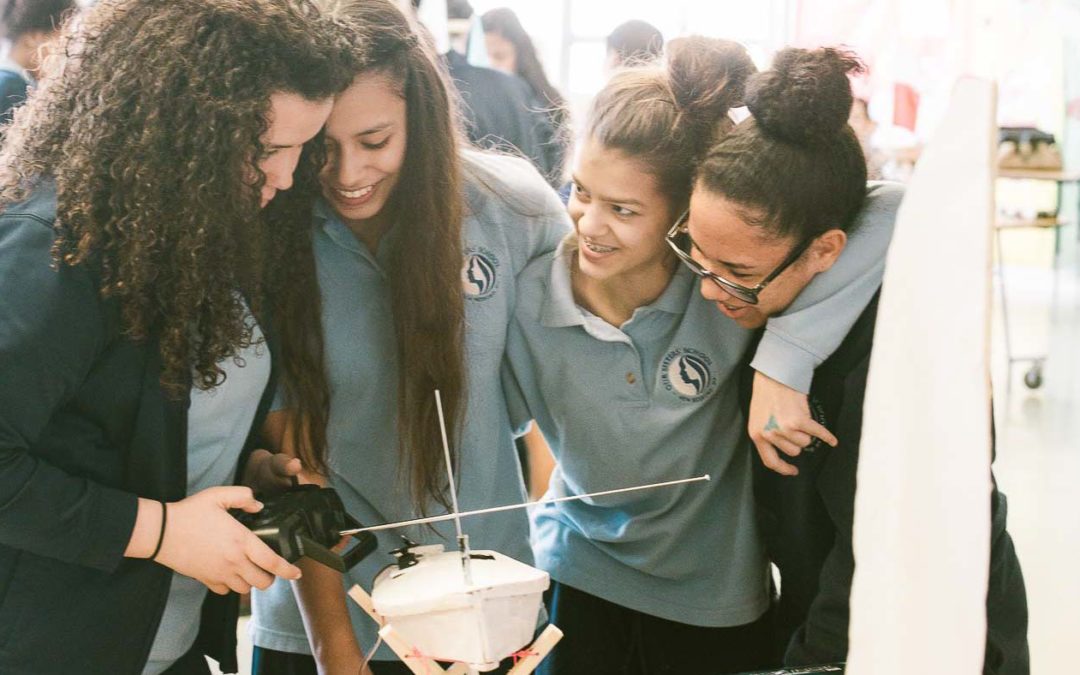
(511, 50)
(26, 29)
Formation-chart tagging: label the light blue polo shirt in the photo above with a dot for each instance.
(512, 217)
(657, 399)
(218, 424)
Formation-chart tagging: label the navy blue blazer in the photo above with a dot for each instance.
(85, 429)
(807, 522)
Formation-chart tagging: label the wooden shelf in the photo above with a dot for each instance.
(1040, 174)
(1039, 223)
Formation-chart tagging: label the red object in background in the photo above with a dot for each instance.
(1072, 109)
(905, 106)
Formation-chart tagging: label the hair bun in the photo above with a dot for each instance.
(708, 76)
(805, 97)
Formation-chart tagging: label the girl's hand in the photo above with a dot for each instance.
(203, 541)
(780, 419)
(269, 473)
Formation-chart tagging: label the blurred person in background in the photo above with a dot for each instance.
(26, 29)
(864, 128)
(497, 107)
(634, 40)
(511, 50)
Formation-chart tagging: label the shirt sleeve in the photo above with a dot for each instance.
(279, 403)
(51, 332)
(516, 405)
(553, 225)
(810, 330)
(518, 372)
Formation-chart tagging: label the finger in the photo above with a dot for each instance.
(263, 556)
(342, 544)
(237, 497)
(816, 430)
(796, 436)
(784, 445)
(284, 466)
(255, 576)
(772, 460)
(254, 506)
(237, 584)
(220, 589)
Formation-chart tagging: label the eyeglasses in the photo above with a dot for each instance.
(678, 238)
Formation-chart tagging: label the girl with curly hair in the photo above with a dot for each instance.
(138, 247)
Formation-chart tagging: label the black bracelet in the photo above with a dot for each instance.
(161, 536)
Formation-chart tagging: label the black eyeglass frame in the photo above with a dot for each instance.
(744, 293)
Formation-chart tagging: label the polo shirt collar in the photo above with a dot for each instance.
(560, 309)
(331, 224)
(324, 215)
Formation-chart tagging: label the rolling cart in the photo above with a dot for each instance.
(1033, 378)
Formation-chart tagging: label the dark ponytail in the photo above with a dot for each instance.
(666, 115)
(795, 160)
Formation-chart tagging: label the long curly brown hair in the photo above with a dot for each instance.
(149, 122)
(425, 270)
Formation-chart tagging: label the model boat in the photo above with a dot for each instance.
(447, 617)
(473, 608)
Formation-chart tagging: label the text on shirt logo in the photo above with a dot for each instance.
(687, 373)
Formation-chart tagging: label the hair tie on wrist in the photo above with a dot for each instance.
(161, 535)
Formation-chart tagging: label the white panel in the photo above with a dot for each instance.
(922, 509)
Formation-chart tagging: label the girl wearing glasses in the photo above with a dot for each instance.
(756, 198)
(633, 377)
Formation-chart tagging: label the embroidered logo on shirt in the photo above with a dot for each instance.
(687, 373)
(480, 274)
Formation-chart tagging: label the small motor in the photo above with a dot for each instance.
(307, 521)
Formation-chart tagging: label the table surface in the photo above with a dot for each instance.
(1040, 174)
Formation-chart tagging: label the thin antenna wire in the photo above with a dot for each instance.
(463, 539)
(449, 462)
(509, 507)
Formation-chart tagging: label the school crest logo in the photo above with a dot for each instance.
(688, 374)
(480, 274)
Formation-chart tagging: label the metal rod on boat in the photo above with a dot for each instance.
(456, 516)
(463, 539)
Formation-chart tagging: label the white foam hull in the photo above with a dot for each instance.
(479, 624)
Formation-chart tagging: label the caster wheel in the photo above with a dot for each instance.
(1033, 378)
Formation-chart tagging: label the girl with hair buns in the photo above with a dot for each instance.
(632, 378)
(792, 177)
